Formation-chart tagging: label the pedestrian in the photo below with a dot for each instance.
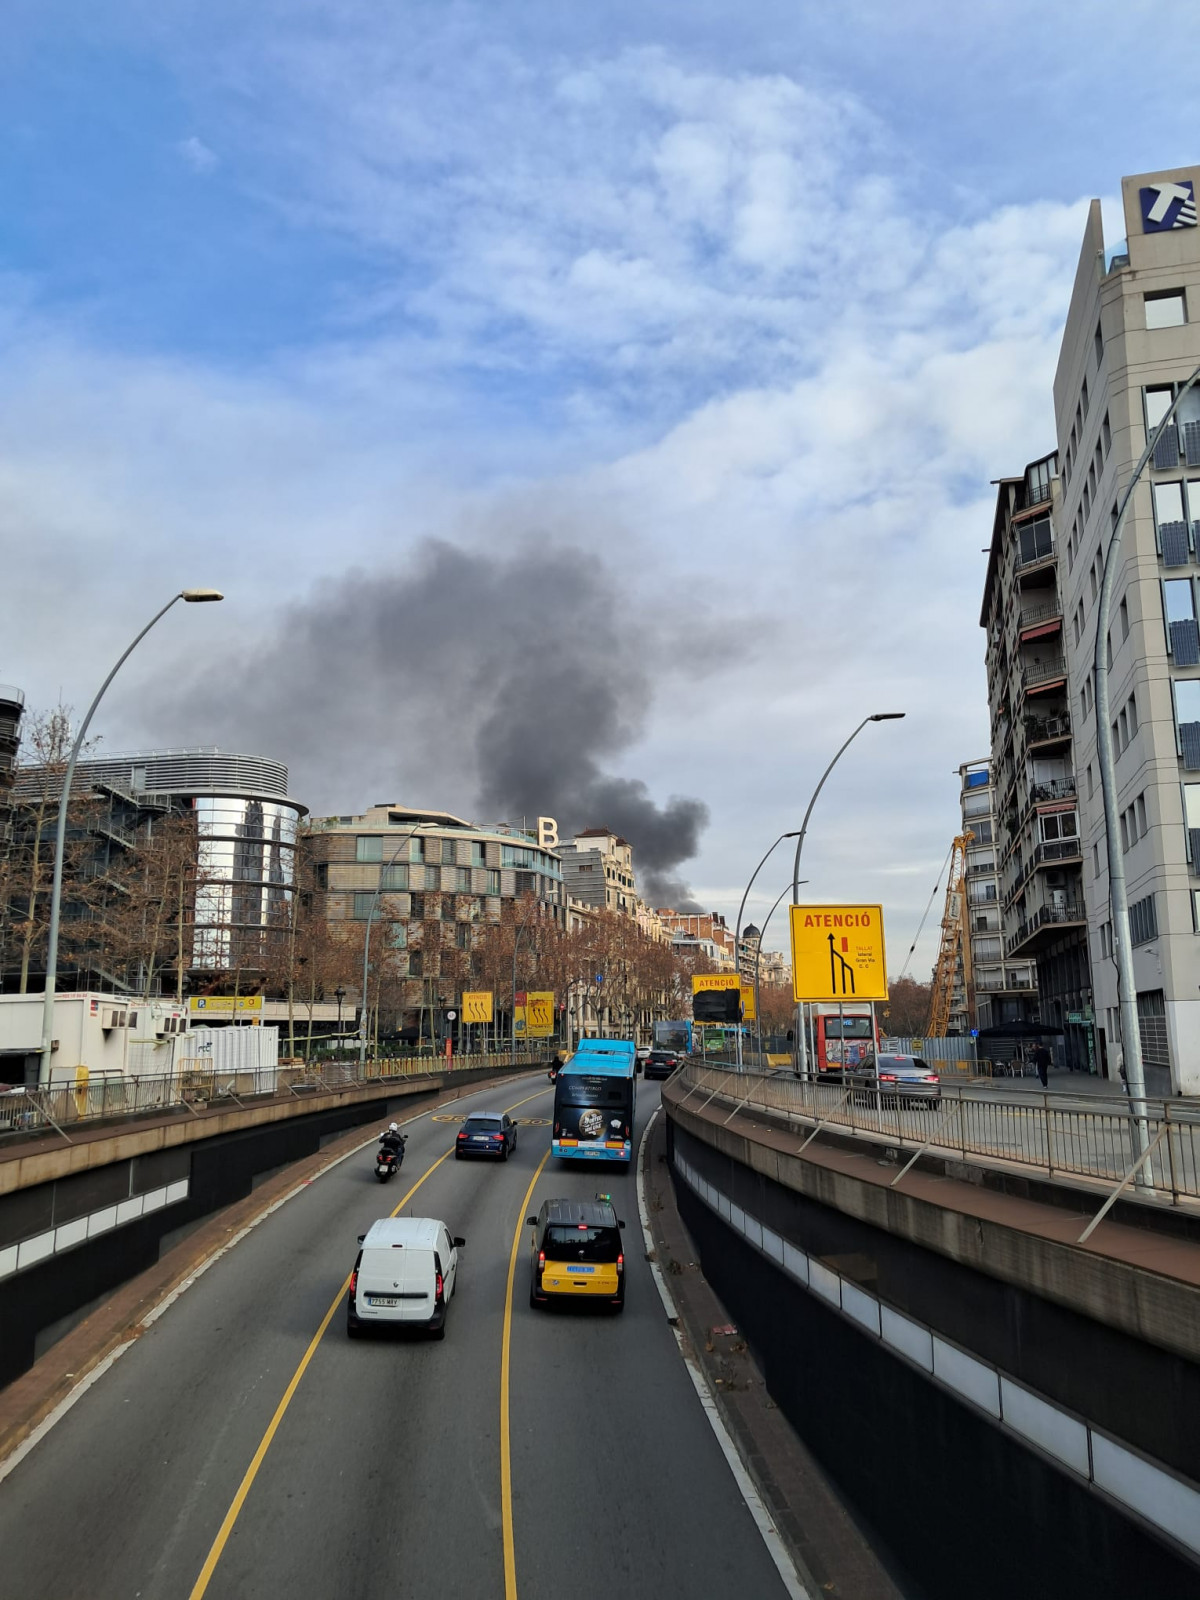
(1041, 1060)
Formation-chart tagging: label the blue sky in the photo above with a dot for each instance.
(753, 300)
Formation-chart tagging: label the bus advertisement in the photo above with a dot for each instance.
(843, 1038)
(594, 1097)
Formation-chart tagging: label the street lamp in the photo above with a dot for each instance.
(737, 935)
(192, 597)
(339, 995)
(758, 956)
(384, 868)
(1118, 900)
(878, 716)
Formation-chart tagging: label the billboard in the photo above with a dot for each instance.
(716, 997)
(225, 1005)
(838, 953)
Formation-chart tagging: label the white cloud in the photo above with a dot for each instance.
(721, 333)
(197, 155)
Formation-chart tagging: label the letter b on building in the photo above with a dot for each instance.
(547, 833)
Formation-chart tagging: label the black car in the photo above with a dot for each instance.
(661, 1063)
(487, 1133)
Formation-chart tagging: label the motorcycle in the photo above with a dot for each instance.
(388, 1159)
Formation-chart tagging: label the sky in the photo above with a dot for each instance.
(698, 332)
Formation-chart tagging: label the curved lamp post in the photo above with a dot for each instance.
(384, 868)
(192, 597)
(1118, 900)
(878, 716)
(737, 933)
(758, 956)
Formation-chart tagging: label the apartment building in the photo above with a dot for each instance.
(436, 869)
(704, 935)
(1035, 816)
(1132, 340)
(597, 871)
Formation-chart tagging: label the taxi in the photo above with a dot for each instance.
(576, 1253)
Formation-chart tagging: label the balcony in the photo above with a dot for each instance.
(1040, 732)
(1040, 616)
(1037, 672)
(1044, 926)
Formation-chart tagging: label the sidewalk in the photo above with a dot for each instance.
(1158, 1084)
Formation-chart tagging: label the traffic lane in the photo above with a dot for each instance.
(132, 1484)
(619, 1484)
(384, 1477)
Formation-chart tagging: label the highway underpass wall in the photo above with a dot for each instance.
(68, 1242)
(928, 1452)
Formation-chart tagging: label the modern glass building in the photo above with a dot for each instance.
(246, 825)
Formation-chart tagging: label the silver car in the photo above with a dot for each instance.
(900, 1081)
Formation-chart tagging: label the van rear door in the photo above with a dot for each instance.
(396, 1284)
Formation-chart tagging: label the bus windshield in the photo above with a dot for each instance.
(847, 1028)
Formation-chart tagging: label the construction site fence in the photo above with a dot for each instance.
(957, 1054)
(1057, 1134)
(192, 1086)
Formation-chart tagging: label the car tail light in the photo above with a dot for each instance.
(463, 1134)
(353, 1283)
(621, 1262)
(887, 1077)
(497, 1138)
(440, 1287)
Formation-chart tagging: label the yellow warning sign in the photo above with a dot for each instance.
(477, 1005)
(837, 953)
(748, 1012)
(702, 981)
(539, 1014)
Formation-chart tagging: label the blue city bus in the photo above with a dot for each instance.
(594, 1097)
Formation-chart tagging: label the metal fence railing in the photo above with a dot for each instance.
(1054, 1133)
(60, 1105)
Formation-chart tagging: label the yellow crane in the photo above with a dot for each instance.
(955, 948)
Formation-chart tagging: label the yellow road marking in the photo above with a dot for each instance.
(218, 1545)
(506, 1516)
(239, 1499)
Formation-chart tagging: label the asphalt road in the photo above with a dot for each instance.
(383, 1475)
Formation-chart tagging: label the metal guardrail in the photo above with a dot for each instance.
(61, 1105)
(1051, 1133)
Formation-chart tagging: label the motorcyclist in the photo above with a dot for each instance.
(392, 1139)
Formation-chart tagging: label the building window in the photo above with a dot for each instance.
(416, 963)
(1140, 809)
(1187, 721)
(1106, 434)
(1059, 825)
(1091, 782)
(1166, 309)
(399, 935)
(1191, 821)
(363, 901)
(416, 907)
(462, 878)
(1131, 707)
(1179, 613)
(393, 879)
(493, 882)
(1099, 345)
(1124, 616)
(416, 850)
(512, 855)
(1095, 860)
(478, 853)
(1196, 910)
(368, 847)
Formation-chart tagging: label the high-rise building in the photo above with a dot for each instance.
(1132, 340)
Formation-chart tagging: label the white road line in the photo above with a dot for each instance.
(776, 1548)
(18, 1455)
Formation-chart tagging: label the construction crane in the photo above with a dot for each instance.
(955, 949)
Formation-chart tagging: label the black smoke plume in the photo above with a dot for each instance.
(515, 680)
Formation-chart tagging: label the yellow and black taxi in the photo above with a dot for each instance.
(577, 1254)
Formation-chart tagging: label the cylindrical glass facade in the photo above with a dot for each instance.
(247, 870)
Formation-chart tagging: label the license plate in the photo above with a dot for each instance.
(381, 1300)
(581, 1269)
(480, 1138)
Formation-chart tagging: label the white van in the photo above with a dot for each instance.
(404, 1276)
